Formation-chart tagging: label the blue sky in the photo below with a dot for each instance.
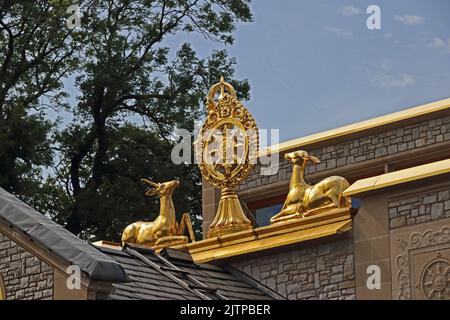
(314, 65)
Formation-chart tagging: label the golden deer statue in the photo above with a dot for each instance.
(164, 230)
(303, 199)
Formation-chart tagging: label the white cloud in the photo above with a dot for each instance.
(409, 20)
(385, 80)
(350, 11)
(440, 43)
(338, 31)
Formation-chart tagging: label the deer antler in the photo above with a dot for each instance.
(153, 190)
(149, 182)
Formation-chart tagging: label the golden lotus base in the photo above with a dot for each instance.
(221, 231)
(230, 217)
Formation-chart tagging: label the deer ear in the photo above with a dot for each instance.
(314, 159)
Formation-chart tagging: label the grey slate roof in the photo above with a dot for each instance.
(135, 272)
(149, 283)
(58, 240)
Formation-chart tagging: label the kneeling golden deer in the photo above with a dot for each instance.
(304, 199)
(164, 230)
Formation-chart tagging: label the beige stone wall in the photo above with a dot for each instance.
(210, 201)
(25, 276)
(356, 151)
(319, 271)
(420, 241)
(372, 247)
(405, 230)
(419, 208)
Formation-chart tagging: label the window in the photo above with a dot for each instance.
(2, 289)
(264, 214)
(266, 208)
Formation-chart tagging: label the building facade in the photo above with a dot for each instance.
(401, 227)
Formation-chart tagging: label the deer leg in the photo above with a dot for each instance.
(317, 202)
(334, 197)
(318, 210)
(182, 225)
(129, 234)
(187, 223)
(345, 202)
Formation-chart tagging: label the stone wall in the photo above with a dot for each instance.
(25, 276)
(321, 271)
(353, 151)
(404, 230)
(419, 208)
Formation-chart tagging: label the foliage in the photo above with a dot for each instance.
(36, 52)
(134, 92)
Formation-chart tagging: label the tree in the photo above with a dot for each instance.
(36, 52)
(134, 92)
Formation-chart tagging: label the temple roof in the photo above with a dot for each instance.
(399, 177)
(59, 241)
(414, 114)
(172, 274)
(134, 272)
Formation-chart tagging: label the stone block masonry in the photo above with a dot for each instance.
(419, 208)
(359, 150)
(26, 277)
(324, 271)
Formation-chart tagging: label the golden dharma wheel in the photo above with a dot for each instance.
(226, 152)
(228, 139)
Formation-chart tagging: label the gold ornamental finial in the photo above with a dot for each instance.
(224, 87)
(222, 91)
(226, 152)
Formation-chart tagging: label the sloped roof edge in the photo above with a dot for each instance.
(398, 177)
(350, 129)
(58, 240)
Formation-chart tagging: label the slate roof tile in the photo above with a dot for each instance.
(146, 282)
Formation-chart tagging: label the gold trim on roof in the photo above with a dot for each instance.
(332, 222)
(358, 127)
(398, 177)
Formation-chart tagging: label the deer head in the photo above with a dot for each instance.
(161, 189)
(301, 155)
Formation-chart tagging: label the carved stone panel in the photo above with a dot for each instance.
(420, 262)
(432, 282)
